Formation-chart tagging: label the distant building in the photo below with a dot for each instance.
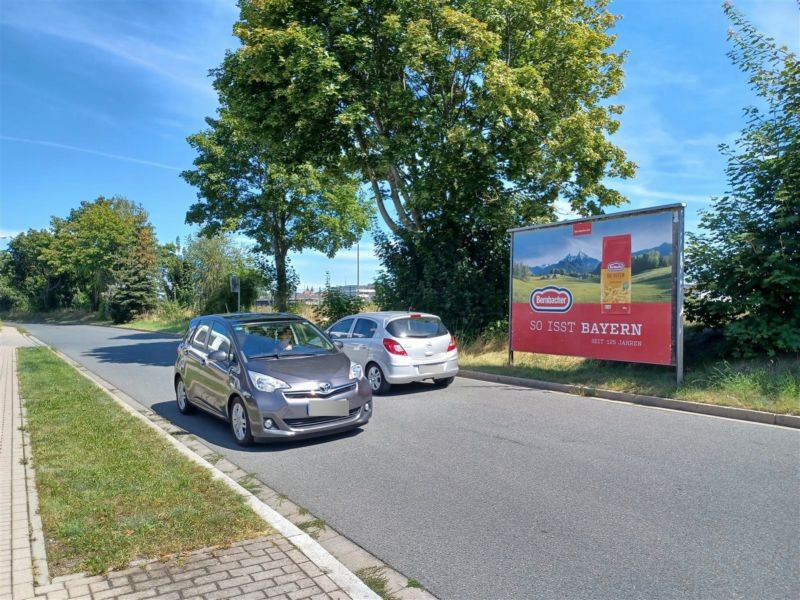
(308, 296)
(365, 292)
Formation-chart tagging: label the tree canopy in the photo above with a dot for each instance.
(104, 244)
(247, 184)
(463, 118)
(746, 263)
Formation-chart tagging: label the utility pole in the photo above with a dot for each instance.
(358, 266)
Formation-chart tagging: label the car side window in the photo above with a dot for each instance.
(365, 328)
(219, 339)
(341, 329)
(200, 338)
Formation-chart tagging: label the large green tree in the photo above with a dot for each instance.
(463, 117)
(283, 203)
(176, 273)
(135, 278)
(44, 283)
(212, 260)
(746, 264)
(93, 238)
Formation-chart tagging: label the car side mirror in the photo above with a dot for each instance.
(338, 344)
(218, 356)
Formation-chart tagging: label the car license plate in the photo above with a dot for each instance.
(328, 408)
(430, 369)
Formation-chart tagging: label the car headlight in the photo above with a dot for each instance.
(356, 372)
(265, 383)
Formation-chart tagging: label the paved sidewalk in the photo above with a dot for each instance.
(267, 567)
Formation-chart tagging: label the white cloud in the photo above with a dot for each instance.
(135, 43)
(637, 192)
(60, 146)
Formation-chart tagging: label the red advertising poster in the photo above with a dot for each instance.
(604, 291)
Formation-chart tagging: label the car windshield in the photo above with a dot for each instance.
(279, 339)
(417, 327)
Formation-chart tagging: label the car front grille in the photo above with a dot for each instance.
(307, 421)
(342, 389)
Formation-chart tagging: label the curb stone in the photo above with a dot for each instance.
(327, 546)
(728, 412)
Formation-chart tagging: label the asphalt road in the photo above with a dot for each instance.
(489, 491)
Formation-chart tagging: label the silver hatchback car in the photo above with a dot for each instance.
(398, 347)
(271, 376)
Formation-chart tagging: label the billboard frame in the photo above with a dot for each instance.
(678, 210)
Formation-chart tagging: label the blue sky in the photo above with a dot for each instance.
(97, 98)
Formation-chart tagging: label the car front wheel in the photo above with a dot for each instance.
(376, 379)
(240, 423)
(184, 406)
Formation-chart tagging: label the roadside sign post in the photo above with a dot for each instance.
(237, 287)
(608, 287)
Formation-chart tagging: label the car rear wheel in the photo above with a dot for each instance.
(376, 379)
(444, 382)
(184, 406)
(240, 423)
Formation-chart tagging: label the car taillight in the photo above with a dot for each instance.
(393, 347)
(452, 344)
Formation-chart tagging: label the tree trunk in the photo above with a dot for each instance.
(281, 285)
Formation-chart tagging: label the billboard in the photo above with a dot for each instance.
(607, 287)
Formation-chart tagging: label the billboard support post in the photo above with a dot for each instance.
(510, 298)
(678, 253)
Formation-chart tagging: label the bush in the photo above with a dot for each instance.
(334, 305)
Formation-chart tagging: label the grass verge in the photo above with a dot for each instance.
(771, 385)
(111, 490)
(164, 325)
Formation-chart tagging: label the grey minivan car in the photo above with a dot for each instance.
(271, 376)
(398, 347)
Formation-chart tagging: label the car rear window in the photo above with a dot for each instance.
(417, 327)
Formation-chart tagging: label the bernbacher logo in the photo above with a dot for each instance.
(551, 299)
(616, 266)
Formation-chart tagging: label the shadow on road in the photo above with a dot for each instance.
(158, 354)
(146, 335)
(410, 389)
(216, 431)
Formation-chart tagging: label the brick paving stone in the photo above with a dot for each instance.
(261, 575)
(325, 583)
(199, 590)
(290, 577)
(177, 585)
(256, 595)
(234, 581)
(280, 589)
(219, 594)
(78, 590)
(310, 569)
(151, 583)
(304, 593)
(138, 595)
(245, 570)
